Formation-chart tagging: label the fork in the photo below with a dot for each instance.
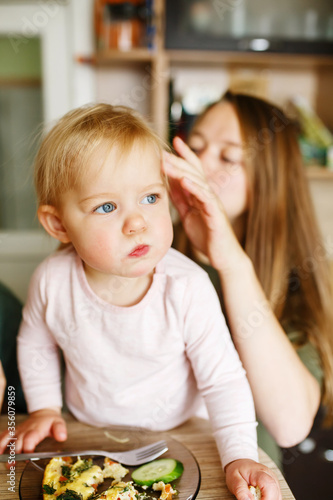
(134, 457)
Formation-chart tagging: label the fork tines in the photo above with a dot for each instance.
(148, 451)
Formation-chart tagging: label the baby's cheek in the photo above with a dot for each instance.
(166, 231)
(97, 248)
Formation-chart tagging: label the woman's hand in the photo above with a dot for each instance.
(40, 425)
(241, 474)
(201, 211)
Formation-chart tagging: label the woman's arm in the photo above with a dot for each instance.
(286, 395)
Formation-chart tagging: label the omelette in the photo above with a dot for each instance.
(256, 492)
(64, 480)
(119, 491)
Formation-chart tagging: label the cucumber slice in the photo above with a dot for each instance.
(164, 469)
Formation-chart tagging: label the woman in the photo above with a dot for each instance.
(243, 201)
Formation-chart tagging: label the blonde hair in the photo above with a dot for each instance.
(282, 236)
(65, 151)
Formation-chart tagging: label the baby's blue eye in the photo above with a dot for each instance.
(151, 198)
(106, 208)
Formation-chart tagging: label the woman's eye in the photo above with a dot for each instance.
(226, 159)
(195, 150)
(106, 208)
(150, 199)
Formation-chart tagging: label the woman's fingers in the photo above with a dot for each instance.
(186, 152)
(199, 188)
(178, 167)
(179, 180)
(203, 197)
(179, 170)
(179, 198)
(174, 169)
(182, 171)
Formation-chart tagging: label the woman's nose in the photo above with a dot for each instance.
(208, 160)
(134, 223)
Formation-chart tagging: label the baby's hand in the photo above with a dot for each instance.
(40, 424)
(241, 474)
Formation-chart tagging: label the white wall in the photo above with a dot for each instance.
(83, 83)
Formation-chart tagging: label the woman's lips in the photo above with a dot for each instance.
(139, 251)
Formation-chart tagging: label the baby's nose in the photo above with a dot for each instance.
(134, 223)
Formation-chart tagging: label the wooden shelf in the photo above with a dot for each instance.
(107, 57)
(318, 173)
(248, 58)
(161, 62)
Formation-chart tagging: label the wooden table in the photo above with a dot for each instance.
(194, 434)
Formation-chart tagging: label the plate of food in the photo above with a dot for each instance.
(174, 476)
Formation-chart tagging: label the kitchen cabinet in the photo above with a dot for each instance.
(285, 73)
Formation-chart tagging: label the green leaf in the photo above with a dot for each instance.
(66, 471)
(70, 495)
(48, 489)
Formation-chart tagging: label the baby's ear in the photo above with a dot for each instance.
(50, 219)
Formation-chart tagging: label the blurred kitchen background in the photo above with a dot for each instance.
(168, 59)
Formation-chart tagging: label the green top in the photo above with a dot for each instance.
(10, 318)
(307, 353)
(311, 359)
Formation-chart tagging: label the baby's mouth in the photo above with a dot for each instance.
(139, 251)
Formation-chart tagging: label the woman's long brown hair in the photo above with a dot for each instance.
(282, 236)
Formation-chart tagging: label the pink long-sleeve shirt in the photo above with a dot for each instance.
(145, 365)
